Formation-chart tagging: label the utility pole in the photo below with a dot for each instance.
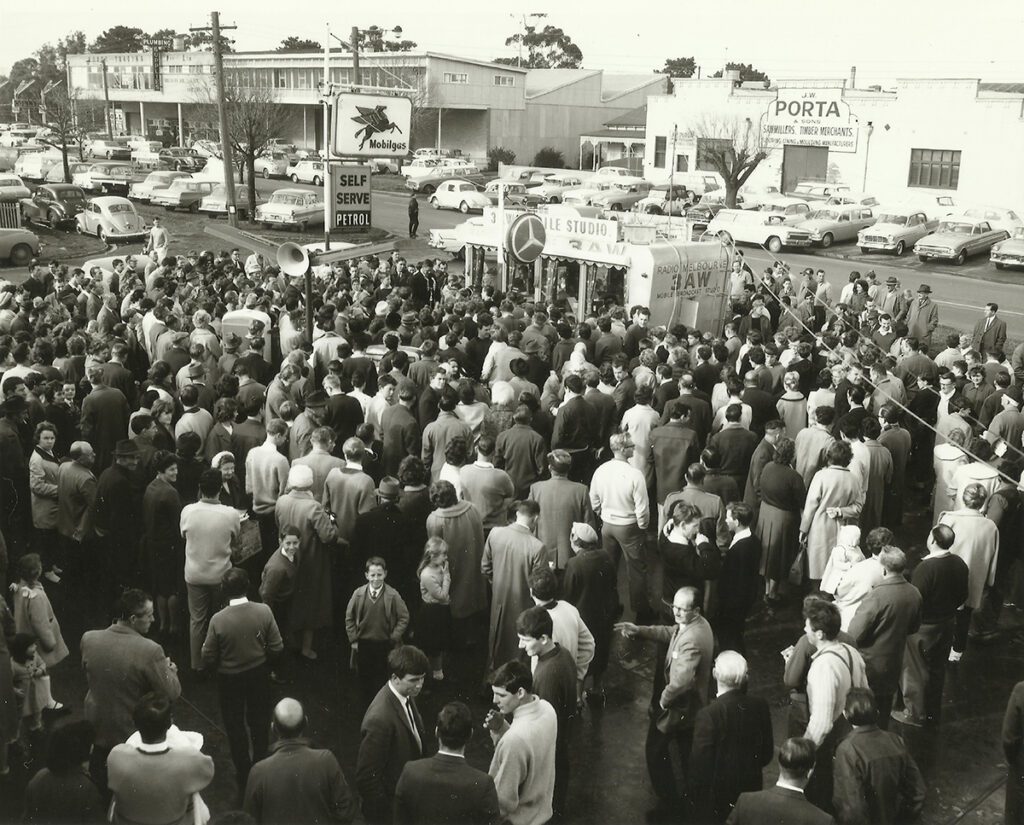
(355, 58)
(225, 139)
(106, 101)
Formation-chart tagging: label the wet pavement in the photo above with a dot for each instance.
(961, 760)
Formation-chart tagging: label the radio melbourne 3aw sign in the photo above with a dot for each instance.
(810, 117)
(371, 125)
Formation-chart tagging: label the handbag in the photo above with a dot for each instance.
(248, 543)
(796, 570)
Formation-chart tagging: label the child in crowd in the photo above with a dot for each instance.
(277, 585)
(375, 621)
(844, 555)
(433, 625)
(31, 684)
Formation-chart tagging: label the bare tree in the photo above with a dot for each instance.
(67, 117)
(733, 148)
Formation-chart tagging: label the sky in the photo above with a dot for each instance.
(788, 39)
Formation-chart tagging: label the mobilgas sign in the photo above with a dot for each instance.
(371, 125)
(351, 205)
(810, 117)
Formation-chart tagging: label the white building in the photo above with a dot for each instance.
(956, 137)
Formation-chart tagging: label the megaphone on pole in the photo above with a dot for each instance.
(292, 259)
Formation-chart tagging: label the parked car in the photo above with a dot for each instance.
(816, 191)
(459, 194)
(12, 188)
(385, 166)
(553, 187)
(957, 238)
(427, 184)
(700, 214)
(616, 172)
(894, 230)
(56, 173)
(837, 223)
(216, 202)
(111, 149)
(273, 165)
(280, 145)
(111, 219)
(105, 177)
(775, 224)
(206, 148)
(183, 193)
(154, 182)
(180, 159)
(622, 196)
(666, 200)
(453, 240)
(592, 188)
(1009, 252)
(997, 217)
(700, 183)
(307, 171)
(19, 136)
(53, 203)
(36, 165)
(516, 194)
(19, 246)
(531, 178)
(853, 198)
(292, 208)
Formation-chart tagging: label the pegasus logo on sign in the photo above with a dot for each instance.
(375, 121)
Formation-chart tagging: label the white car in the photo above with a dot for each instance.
(36, 165)
(111, 218)
(155, 181)
(815, 191)
(206, 148)
(183, 193)
(272, 165)
(116, 149)
(56, 173)
(774, 225)
(292, 208)
(12, 188)
(997, 217)
(615, 172)
(453, 240)
(459, 194)
(553, 187)
(216, 202)
(307, 171)
(895, 230)
(592, 189)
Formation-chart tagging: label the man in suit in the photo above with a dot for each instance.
(575, 429)
(562, 503)
(121, 666)
(674, 447)
(391, 734)
(761, 403)
(684, 684)
(738, 582)
(990, 331)
(699, 404)
(104, 417)
(400, 431)
(785, 802)
(296, 782)
(444, 789)
(735, 445)
(732, 742)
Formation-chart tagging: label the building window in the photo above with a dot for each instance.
(280, 79)
(682, 163)
(504, 80)
(660, 144)
(712, 150)
(456, 77)
(934, 168)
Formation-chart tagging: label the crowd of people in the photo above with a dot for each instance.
(446, 466)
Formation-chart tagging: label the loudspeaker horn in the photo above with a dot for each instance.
(293, 259)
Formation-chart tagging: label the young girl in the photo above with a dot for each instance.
(33, 613)
(844, 555)
(433, 629)
(31, 684)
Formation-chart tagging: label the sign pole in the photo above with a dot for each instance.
(501, 238)
(327, 152)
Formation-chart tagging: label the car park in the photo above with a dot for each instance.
(666, 199)
(179, 159)
(272, 165)
(957, 238)
(774, 225)
(36, 165)
(12, 188)
(853, 199)
(111, 149)
(553, 187)
(594, 188)
(829, 224)
(894, 230)
(516, 194)
(459, 194)
(19, 136)
(154, 182)
(111, 219)
(216, 202)
(104, 177)
(623, 195)
(56, 173)
(183, 193)
(427, 184)
(997, 217)
(53, 203)
(289, 208)
(1009, 252)
(816, 191)
(18, 246)
(307, 171)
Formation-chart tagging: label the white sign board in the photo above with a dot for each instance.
(810, 117)
(371, 125)
(351, 202)
(564, 225)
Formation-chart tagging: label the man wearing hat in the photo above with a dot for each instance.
(315, 414)
(387, 532)
(232, 343)
(888, 300)
(117, 519)
(923, 317)
(409, 327)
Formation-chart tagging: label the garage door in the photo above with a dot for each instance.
(803, 163)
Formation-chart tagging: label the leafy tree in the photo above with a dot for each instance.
(549, 157)
(203, 42)
(373, 40)
(73, 43)
(299, 44)
(731, 147)
(548, 48)
(119, 39)
(679, 67)
(164, 34)
(499, 154)
(747, 72)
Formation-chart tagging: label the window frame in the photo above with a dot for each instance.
(511, 78)
(451, 78)
(932, 169)
(660, 151)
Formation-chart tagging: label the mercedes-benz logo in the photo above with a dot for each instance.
(527, 238)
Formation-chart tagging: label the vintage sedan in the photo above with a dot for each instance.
(19, 246)
(427, 184)
(700, 214)
(292, 208)
(553, 187)
(997, 217)
(666, 199)
(56, 173)
(53, 203)
(837, 223)
(895, 230)
(593, 188)
(516, 194)
(459, 194)
(623, 195)
(154, 182)
(111, 149)
(104, 176)
(957, 238)
(814, 191)
(183, 193)
(216, 202)
(180, 159)
(775, 224)
(12, 188)
(1009, 252)
(112, 219)
(273, 165)
(307, 171)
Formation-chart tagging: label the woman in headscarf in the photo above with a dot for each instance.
(231, 492)
(577, 363)
(834, 498)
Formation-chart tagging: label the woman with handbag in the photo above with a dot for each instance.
(834, 498)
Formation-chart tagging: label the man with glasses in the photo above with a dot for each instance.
(680, 690)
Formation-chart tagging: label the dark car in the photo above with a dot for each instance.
(53, 203)
(700, 214)
(179, 159)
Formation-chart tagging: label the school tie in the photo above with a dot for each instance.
(412, 723)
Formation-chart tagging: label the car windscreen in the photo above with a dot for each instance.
(116, 208)
(956, 227)
(824, 215)
(287, 200)
(898, 220)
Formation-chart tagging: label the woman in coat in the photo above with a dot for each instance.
(42, 481)
(33, 613)
(311, 607)
(219, 438)
(231, 492)
(948, 457)
(778, 521)
(10, 706)
(163, 547)
(459, 524)
(415, 500)
(834, 498)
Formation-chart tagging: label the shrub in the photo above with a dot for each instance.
(550, 157)
(499, 154)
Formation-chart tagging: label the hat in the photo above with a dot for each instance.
(381, 309)
(891, 281)
(126, 447)
(196, 370)
(1015, 393)
(532, 346)
(582, 534)
(232, 341)
(316, 399)
(300, 477)
(409, 318)
(389, 488)
(256, 326)
(924, 289)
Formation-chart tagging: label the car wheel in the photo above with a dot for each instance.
(923, 258)
(295, 178)
(865, 251)
(317, 181)
(53, 218)
(774, 245)
(616, 207)
(193, 207)
(464, 207)
(303, 226)
(900, 249)
(266, 173)
(101, 234)
(434, 203)
(21, 254)
(428, 190)
(961, 259)
(826, 240)
(1000, 266)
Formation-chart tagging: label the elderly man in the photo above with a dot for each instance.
(76, 492)
(117, 518)
(680, 690)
